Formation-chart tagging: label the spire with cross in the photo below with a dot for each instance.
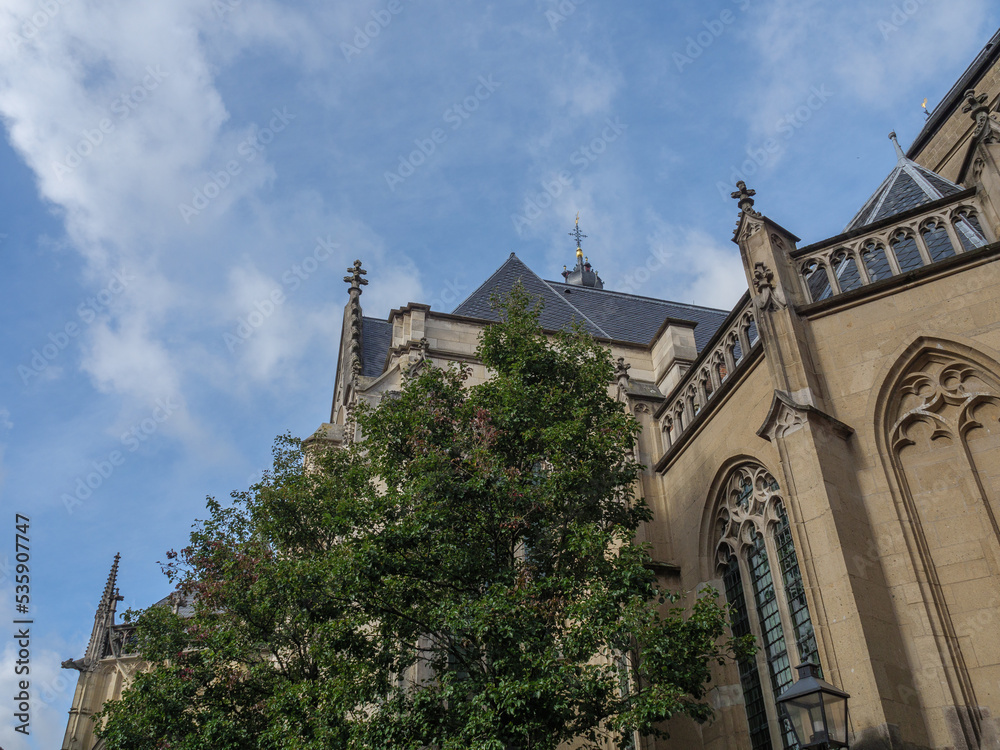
(355, 279)
(577, 235)
(582, 274)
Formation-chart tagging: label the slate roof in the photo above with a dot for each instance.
(908, 185)
(186, 609)
(604, 313)
(376, 338)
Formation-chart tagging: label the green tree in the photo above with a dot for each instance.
(463, 577)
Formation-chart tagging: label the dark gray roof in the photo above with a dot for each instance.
(376, 338)
(602, 312)
(908, 185)
(185, 610)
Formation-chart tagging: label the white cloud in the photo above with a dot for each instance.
(117, 109)
(685, 264)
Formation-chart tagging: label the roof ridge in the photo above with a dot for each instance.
(641, 296)
(512, 256)
(575, 308)
(916, 171)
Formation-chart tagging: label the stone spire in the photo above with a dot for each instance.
(356, 282)
(908, 185)
(900, 156)
(582, 274)
(104, 619)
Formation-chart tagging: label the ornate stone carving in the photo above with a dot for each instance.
(943, 396)
(786, 416)
(416, 355)
(987, 126)
(745, 228)
(355, 347)
(744, 198)
(769, 297)
(750, 501)
(621, 373)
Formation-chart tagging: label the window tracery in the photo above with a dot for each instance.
(764, 587)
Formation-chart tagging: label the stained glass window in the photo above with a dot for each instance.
(764, 588)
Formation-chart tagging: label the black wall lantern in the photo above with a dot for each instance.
(815, 710)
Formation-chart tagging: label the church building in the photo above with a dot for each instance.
(826, 453)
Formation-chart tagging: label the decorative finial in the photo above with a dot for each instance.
(576, 233)
(745, 198)
(355, 279)
(899, 151)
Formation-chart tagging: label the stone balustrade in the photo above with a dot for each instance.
(724, 356)
(910, 240)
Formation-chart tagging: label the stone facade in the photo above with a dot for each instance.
(828, 458)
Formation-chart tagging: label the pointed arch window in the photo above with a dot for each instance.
(764, 588)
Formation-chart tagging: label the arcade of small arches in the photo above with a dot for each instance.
(924, 240)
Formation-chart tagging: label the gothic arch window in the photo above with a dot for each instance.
(967, 227)
(816, 280)
(904, 247)
(764, 588)
(938, 426)
(876, 263)
(937, 240)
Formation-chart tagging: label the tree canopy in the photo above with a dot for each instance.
(464, 576)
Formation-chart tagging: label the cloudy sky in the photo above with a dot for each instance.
(169, 168)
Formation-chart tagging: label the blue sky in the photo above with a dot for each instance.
(170, 168)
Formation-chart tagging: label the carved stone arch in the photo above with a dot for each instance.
(712, 507)
(936, 420)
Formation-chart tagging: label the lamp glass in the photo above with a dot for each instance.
(806, 716)
(836, 718)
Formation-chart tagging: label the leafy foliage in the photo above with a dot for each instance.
(464, 577)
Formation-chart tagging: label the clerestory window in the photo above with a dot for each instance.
(764, 588)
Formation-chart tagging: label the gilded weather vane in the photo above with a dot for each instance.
(576, 232)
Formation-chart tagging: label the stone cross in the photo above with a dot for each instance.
(744, 197)
(355, 279)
